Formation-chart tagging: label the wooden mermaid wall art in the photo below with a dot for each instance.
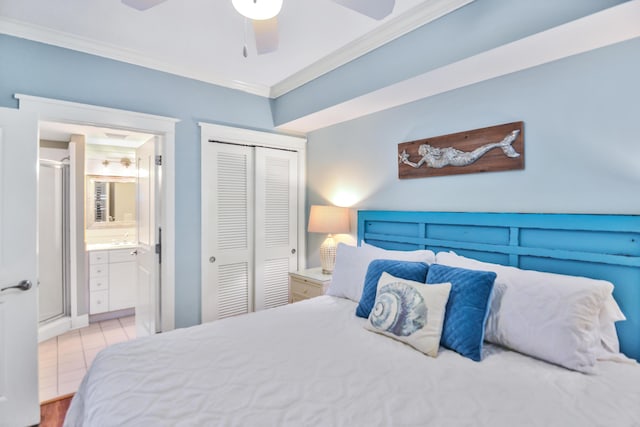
(495, 148)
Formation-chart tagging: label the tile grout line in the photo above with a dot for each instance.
(83, 351)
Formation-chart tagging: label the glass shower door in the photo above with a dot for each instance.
(53, 241)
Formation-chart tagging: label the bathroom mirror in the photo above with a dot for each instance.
(111, 201)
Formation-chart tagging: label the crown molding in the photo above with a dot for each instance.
(391, 30)
(87, 45)
(610, 26)
(408, 21)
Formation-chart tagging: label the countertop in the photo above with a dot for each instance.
(107, 246)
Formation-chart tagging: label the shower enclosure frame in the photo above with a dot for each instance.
(64, 202)
(74, 319)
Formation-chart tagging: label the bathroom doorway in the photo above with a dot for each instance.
(25, 123)
(112, 222)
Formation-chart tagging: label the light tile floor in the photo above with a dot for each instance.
(64, 360)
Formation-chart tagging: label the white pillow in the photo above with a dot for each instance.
(609, 315)
(425, 255)
(410, 312)
(352, 262)
(549, 316)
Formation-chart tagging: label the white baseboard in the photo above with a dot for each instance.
(60, 326)
(54, 328)
(109, 315)
(80, 321)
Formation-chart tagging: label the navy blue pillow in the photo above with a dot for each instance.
(467, 308)
(407, 270)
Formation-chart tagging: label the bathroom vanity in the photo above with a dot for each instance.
(110, 236)
(112, 278)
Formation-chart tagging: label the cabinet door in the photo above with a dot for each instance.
(276, 234)
(122, 285)
(227, 230)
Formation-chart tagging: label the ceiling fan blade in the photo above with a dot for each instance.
(266, 32)
(142, 4)
(378, 9)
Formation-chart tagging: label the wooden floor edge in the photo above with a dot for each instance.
(57, 399)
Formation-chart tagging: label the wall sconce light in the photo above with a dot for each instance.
(331, 220)
(125, 162)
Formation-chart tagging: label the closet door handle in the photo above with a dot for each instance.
(23, 285)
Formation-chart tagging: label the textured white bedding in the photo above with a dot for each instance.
(313, 364)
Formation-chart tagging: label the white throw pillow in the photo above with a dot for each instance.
(352, 262)
(410, 312)
(552, 317)
(425, 255)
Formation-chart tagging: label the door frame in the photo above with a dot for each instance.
(232, 135)
(55, 110)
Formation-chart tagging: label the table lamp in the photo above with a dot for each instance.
(331, 220)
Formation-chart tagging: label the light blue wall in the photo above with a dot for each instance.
(579, 118)
(582, 146)
(47, 71)
(475, 28)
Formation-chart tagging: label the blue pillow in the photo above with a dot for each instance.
(407, 270)
(467, 309)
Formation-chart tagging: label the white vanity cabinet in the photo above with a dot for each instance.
(112, 280)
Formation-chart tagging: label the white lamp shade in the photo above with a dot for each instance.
(258, 10)
(328, 219)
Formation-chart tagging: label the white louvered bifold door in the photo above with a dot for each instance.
(276, 232)
(228, 175)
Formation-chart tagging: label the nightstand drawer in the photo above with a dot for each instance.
(306, 289)
(307, 283)
(296, 298)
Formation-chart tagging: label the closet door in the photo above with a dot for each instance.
(276, 232)
(227, 232)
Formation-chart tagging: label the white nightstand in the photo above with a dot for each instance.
(308, 283)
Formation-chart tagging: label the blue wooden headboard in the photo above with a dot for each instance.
(598, 246)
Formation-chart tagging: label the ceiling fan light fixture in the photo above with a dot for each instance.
(258, 9)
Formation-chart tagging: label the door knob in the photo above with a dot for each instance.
(23, 285)
(134, 252)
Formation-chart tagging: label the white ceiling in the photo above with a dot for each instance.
(203, 39)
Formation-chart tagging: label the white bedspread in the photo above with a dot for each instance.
(313, 364)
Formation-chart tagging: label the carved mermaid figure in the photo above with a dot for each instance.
(435, 157)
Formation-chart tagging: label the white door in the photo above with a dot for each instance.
(227, 230)
(147, 259)
(18, 264)
(276, 217)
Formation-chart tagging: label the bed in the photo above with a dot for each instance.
(314, 363)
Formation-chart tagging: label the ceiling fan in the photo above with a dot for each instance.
(264, 16)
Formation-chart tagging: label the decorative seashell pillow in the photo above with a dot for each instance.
(410, 312)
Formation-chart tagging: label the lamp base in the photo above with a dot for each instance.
(328, 255)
